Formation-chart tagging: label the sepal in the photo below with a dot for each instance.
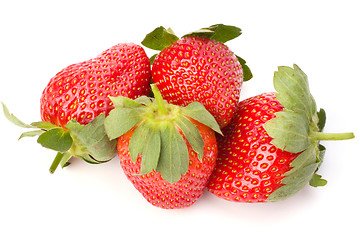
(160, 38)
(246, 70)
(88, 142)
(160, 131)
(218, 32)
(298, 129)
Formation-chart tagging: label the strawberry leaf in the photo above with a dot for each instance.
(159, 39)
(174, 156)
(124, 102)
(31, 133)
(44, 125)
(152, 58)
(293, 183)
(9, 116)
(218, 32)
(293, 90)
(246, 70)
(317, 181)
(192, 134)
(290, 131)
(138, 140)
(322, 119)
(151, 151)
(92, 143)
(198, 112)
(56, 139)
(120, 121)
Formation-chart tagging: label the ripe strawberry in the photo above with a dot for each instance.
(76, 100)
(201, 68)
(271, 149)
(168, 152)
(80, 91)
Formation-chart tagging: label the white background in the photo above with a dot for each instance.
(39, 38)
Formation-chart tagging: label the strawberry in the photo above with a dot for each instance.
(80, 91)
(271, 149)
(76, 100)
(199, 67)
(168, 152)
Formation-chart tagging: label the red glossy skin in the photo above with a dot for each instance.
(165, 195)
(249, 168)
(80, 91)
(202, 70)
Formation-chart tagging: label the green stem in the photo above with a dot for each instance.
(333, 136)
(159, 100)
(56, 162)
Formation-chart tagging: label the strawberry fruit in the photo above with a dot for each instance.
(76, 100)
(271, 149)
(168, 152)
(80, 91)
(199, 67)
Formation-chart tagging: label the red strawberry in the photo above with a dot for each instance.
(167, 195)
(201, 68)
(271, 149)
(76, 100)
(80, 91)
(168, 152)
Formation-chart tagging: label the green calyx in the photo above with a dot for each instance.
(156, 137)
(298, 129)
(161, 38)
(88, 142)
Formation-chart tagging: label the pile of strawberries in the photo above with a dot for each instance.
(176, 122)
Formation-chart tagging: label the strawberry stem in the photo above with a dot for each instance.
(333, 136)
(159, 100)
(56, 162)
(61, 158)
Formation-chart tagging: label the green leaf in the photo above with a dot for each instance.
(322, 119)
(9, 116)
(293, 90)
(246, 70)
(124, 102)
(152, 58)
(293, 183)
(192, 135)
(289, 130)
(143, 100)
(302, 172)
(64, 160)
(91, 139)
(138, 140)
(44, 125)
(321, 153)
(198, 112)
(307, 157)
(317, 181)
(119, 121)
(31, 134)
(56, 139)
(151, 152)
(174, 156)
(218, 32)
(159, 39)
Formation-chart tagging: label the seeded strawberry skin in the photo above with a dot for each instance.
(166, 195)
(249, 168)
(202, 70)
(80, 91)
